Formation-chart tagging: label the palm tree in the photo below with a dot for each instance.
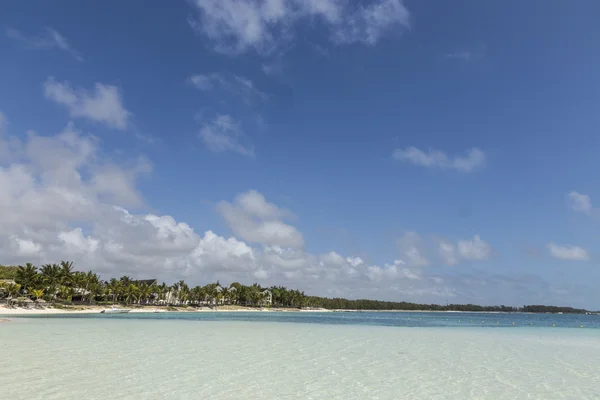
(125, 280)
(66, 273)
(93, 289)
(132, 293)
(13, 289)
(37, 294)
(224, 294)
(26, 276)
(161, 291)
(50, 275)
(145, 292)
(211, 292)
(232, 293)
(66, 293)
(91, 284)
(115, 288)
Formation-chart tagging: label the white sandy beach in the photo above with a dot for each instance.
(4, 311)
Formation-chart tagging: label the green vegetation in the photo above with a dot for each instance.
(345, 304)
(60, 283)
(8, 272)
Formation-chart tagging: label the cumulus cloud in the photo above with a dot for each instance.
(254, 219)
(475, 158)
(475, 249)
(50, 39)
(411, 245)
(61, 199)
(581, 203)
(391, 272)
(53, 207)
(568, 252)
(262, 25)
(448, 253)
(104, 104)
(57, 202)
(223, 134)
(236, 85)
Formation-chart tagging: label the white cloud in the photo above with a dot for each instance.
(205, 82)
(355, 261)
(237, 85)
(581, 203)
(411, 245)
(369, 23)
(57, 202)
(392, 272)
(50, 39)
(434, 158)
(568, 252)
(448, 253)
(224, 134)
(104, 104)
(254, 219)
(475, 249)
(262, 25)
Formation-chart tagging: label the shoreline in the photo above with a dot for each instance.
(19, 312)
(23, 312)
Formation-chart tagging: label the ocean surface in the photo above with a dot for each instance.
(301, 356)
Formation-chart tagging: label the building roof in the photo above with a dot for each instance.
(148, 282)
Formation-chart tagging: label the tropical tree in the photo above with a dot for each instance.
(115, 289)
(26, 276)
(51, 277)
(161, 291)
(145, 292)
(37, 294)
(66, 273)
(132, 293)
(13, 289)
(66, 293)
(225, 295)
(125, 280)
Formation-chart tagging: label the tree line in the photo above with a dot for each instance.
(60, 283)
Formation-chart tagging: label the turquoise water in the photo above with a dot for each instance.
(300, 356)
(423, 319)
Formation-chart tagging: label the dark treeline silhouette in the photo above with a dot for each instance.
(363, 304)
(60, 283)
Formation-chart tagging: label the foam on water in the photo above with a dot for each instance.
(121, 358)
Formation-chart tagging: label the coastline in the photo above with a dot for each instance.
(20, 312)
(94, 309)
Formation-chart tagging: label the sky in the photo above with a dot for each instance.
(438, 152)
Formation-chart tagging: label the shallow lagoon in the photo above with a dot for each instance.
(301, 356)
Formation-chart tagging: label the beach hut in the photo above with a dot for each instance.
(23, 301)
(40, 303)
(27, 303)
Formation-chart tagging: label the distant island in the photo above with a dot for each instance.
(60, 285)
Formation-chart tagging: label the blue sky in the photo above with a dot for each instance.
(423, 151)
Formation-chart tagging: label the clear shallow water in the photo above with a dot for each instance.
(422, 319)
(335, 356)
